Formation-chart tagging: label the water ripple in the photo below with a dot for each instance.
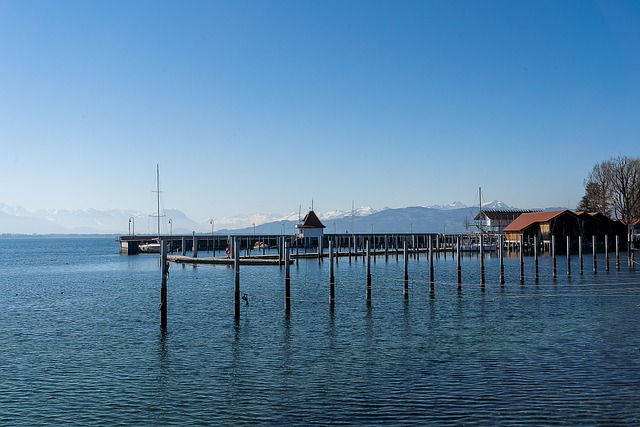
(81, 346)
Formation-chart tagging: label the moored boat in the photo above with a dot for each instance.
(149, 248)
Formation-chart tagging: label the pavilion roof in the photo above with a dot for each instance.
(311, 220)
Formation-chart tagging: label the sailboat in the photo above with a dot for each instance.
(472, 242)
(150, 248)
(154, 247)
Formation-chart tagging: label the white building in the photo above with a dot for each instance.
(311, 226)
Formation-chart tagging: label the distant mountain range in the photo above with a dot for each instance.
(453, 218)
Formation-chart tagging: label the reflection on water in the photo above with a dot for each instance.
(81, 343)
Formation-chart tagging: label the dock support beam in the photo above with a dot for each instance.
(535, 258)
(553, 256)
(501, 255)
(431, 271)
(522, 259)
(482, 262)
(458, 263)
(595, 261)
(368, 273)
(405, 289)
(606, 252)
(580, 256)
(287, 277)
(332, 279)
(568, 256)
(236, 279)
(194, 248)
(164, 268)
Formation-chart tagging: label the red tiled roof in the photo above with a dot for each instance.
(311, 220)
(527, 219)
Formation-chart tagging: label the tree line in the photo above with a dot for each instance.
(613, 189)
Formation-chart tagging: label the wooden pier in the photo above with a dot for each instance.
(343, 244)
(286, 255)
(252, 260)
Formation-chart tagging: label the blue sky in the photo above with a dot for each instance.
(262, 106)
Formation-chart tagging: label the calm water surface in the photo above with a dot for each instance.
(80, 343)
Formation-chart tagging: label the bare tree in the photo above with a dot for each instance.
(625, 188)
(589, 201)
(613, 188)
(597, 196)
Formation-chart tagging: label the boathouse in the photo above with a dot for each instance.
(311, 226)
(495, 220)
(543, 225)
(600, 225)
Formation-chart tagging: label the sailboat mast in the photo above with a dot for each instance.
(158, 196)
(158, 193)
(352, 215)
(480, 214)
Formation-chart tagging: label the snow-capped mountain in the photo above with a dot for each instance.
(454, 205)
(496, 204)
(17, 220)
(246, 221)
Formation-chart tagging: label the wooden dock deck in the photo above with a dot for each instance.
(251, 260)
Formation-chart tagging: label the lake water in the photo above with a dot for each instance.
(80, 343)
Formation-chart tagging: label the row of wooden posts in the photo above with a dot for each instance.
(235, 253)
(353, 243)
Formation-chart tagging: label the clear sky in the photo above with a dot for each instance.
(262, 106)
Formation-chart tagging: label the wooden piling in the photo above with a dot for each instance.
(458, 263)
(287, 278)
(355, 247)
(593, 245)
(368, 269)
(397, 249)
(553, 256)
(194, 246)
(236, 279)
(568, 256)
(536, 271)
(580, 255)
(431, 270)
(629, 251)
(444, 245)
(164, 272)
(606, 252)
(481, 261)
(405, 288)
(332, 281)
(617, 251)
(374, 245)
(386, 247)
(521, 259)
(501, 255)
